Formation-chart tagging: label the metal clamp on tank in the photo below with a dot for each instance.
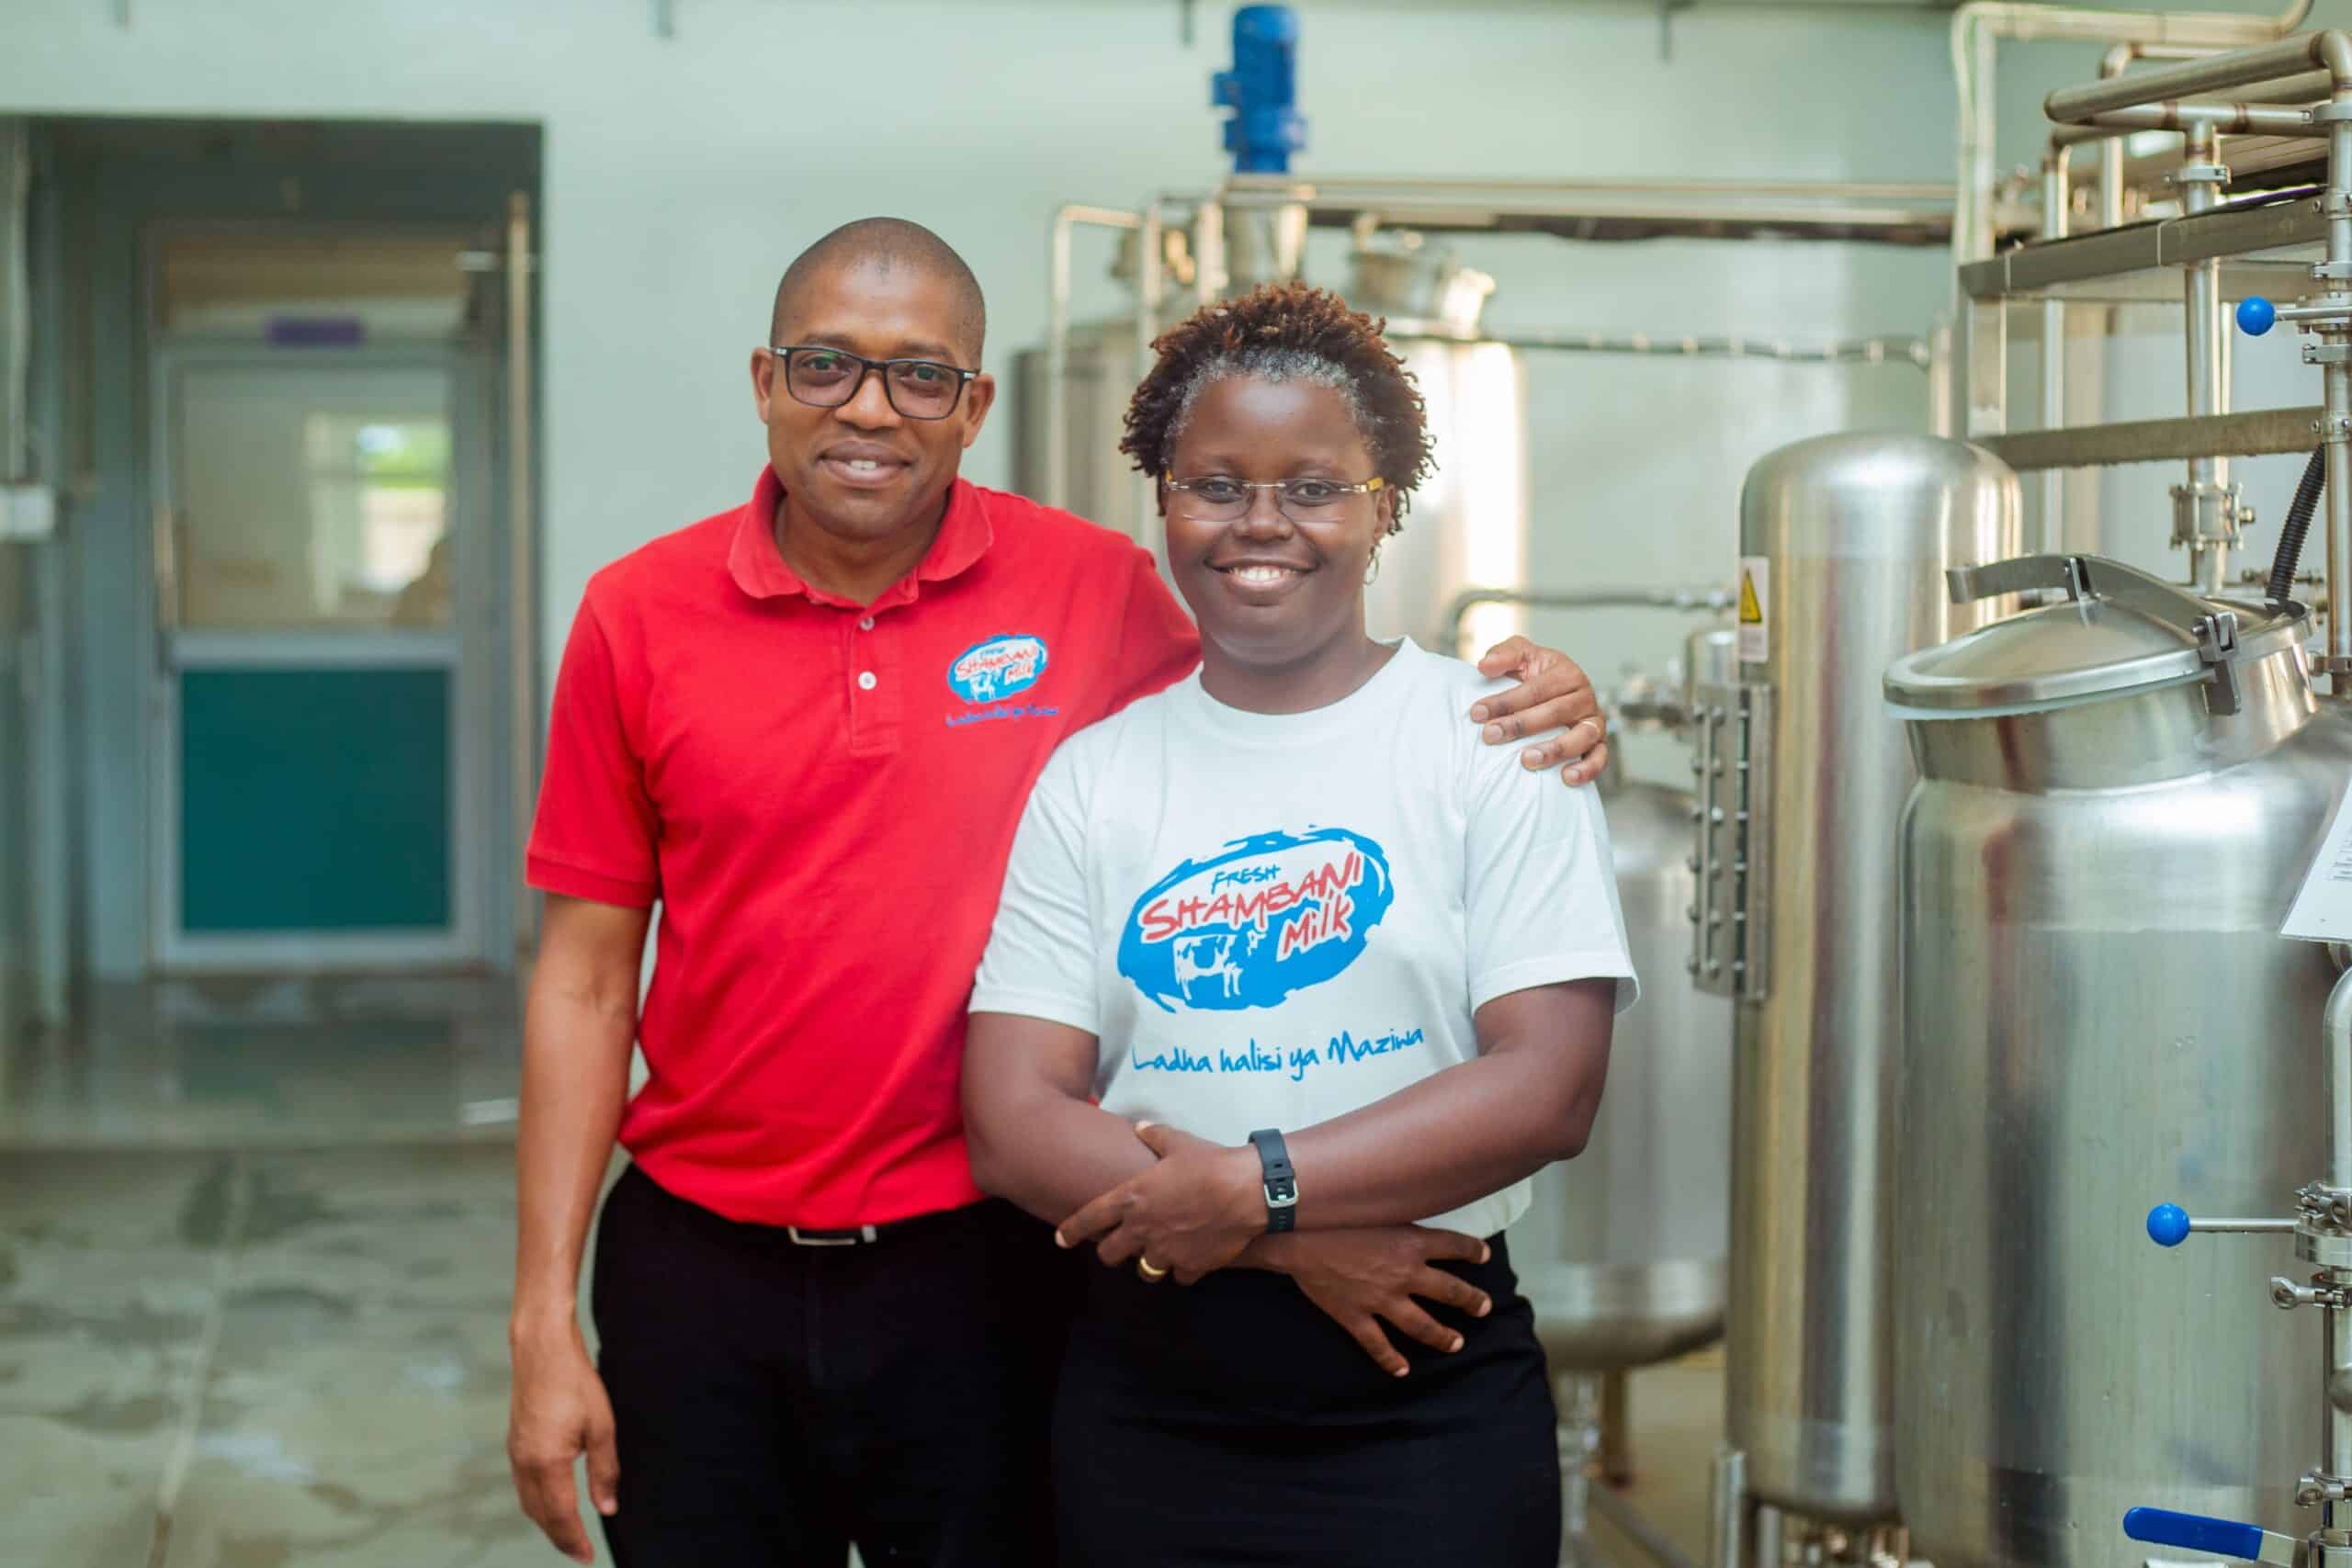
(2221, 641)
(2322, 1227)
(1731, 745)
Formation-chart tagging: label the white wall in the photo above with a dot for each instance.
(681, 175)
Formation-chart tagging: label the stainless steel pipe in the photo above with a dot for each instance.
(1727, 1512)
(2335, 1437)
(1911, 351)
(2336, 1079)
(1058, 289)
(2335, 403)
(2237, 118)
(1977, 28)
(2329, 48)
(1152, 532)
(1684, 598)
(2209, 497)
(2050, 530)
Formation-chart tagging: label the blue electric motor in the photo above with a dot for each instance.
(1262, 91)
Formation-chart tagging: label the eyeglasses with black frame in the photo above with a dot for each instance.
(1220, 497)
(827, 378)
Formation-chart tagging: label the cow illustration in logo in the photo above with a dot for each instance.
(1211, 958)
(997, 668)
(1264, 917)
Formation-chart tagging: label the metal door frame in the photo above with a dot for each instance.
(478, 566)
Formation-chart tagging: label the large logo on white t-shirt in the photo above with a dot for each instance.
(1267, 916)
(992, 670)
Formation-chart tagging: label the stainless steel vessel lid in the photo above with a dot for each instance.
(2120, 633)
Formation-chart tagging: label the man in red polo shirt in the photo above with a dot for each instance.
(805, 728)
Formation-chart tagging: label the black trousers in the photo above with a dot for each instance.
(1231, 1423)
(775, 1403)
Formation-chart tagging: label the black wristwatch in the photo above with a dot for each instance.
(1281, 1183)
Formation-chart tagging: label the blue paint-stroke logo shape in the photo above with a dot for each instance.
(1250, 925)
(991, 669)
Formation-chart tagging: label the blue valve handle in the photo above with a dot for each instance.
(2168, 1227)
(2222, 1537)
(2256, 315)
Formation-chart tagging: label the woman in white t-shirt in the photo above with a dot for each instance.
(1288, 960)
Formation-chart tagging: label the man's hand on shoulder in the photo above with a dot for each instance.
(1553, 693)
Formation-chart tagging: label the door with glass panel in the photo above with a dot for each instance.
(319, 725)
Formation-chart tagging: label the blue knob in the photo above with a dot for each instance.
(2167, 1224)
(2256, 315)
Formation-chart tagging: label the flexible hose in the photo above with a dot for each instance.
(2289, 553)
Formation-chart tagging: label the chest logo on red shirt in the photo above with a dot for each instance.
(992, 670)
(1268, 915)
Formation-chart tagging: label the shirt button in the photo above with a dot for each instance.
(865, 680)
(866, 625)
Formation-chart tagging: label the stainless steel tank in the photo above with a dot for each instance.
(2108, 828)
(1807, 777)
(1621, 1252)
(1469, 524)
(1100, 370)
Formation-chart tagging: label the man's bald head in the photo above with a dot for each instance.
(888, 243)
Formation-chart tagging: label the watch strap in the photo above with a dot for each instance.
(1280, 1180)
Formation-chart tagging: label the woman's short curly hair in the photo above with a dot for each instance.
(1285, 332)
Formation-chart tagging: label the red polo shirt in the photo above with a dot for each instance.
(822, 798)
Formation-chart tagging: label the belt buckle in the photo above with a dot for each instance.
(852, 1237)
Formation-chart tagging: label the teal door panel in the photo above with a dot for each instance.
(315, 800)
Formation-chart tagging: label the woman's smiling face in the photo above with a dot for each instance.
(1269, 589)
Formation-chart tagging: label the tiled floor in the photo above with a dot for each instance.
(254, 1254)
(247, 1360)
(270, 1064)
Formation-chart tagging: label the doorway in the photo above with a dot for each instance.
(295, 390)
(324, 682)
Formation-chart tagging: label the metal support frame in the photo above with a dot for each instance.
(2208, 514)
(1979, 27)
(2056, 200)
(2205, 510)
(1901, 213)
(2256, 434)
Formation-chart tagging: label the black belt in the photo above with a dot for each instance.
(744, 1232)
(865, 1235)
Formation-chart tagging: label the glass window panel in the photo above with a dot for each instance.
(313, 497)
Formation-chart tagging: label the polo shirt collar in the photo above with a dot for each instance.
(758, 568)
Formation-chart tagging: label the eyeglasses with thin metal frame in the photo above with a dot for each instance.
(820, 376)
(1219, 497)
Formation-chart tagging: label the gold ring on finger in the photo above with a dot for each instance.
(1143, 1267)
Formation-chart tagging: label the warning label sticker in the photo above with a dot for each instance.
(1754, 609)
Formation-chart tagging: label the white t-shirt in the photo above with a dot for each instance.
(1273, 919)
